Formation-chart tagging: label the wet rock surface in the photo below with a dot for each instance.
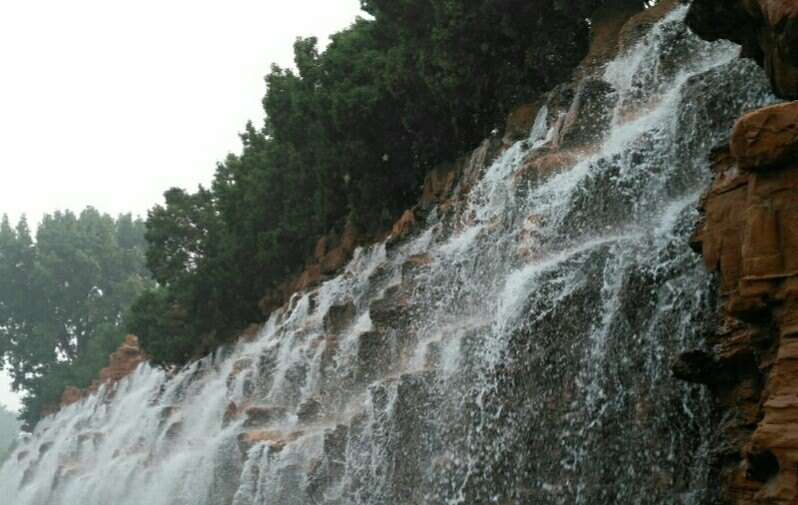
(591, 112)
(749, 237)
(767, 30)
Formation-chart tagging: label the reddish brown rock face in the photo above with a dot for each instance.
(124, 361)
(440, 182)
(120, 364)
(750, 237)
(71, 395)
(767, 136)
(767, 30)
(519, 123)
(403, 226)
(540, 165)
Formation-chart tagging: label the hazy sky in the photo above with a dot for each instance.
(110, 103)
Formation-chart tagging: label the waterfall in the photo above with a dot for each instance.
(515, 350)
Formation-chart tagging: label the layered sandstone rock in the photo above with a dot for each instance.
(124, 361)
(520, 122)
(749, 235)
(120, 364)
(331, 253)
(765, 137)
(71, 395)
(767, 30)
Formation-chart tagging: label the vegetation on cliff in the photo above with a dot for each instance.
(63, 298)
(348, 136)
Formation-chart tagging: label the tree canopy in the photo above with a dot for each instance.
(349, 134)
(63, 297)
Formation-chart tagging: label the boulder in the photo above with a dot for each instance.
(250, 332)
(766, 29)
(124, 361)
(71, 395)
(541, 164)
(349, 238)
(174, 430)
(389, 313)
(94, 436)
(326, 471)
(413, 266)
(767, 137)
(749, 235)
(339, 317)
(230, 413)
(247, 439)
(590, 114)
(310, 277)
(416, 395)
(520, 122)
(240, 365)
(640, 24)
(310, 411)
(607, 21)
(334, 261)
(403, 226)
(560, 99)
(263, 415)
(321, 249)
(120, 364)
(439, 183)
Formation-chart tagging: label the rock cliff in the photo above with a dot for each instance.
(749, 237)
(767, 30)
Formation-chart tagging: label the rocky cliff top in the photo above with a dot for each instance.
(767, 30)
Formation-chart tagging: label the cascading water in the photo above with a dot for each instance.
(515, 351)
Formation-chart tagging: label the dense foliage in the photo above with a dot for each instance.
(63, 299)
(349, 134)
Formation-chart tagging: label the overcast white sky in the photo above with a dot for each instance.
(110, 103)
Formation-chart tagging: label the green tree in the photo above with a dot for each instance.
(185, 238)
(349, 134)
(163, 327)
(63, 298)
